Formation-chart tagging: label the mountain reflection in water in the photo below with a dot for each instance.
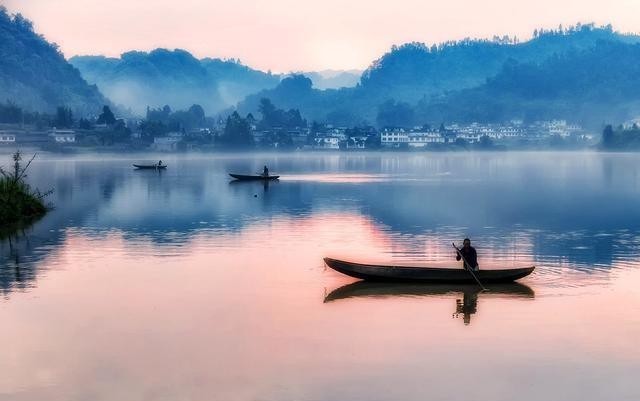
(174, 285)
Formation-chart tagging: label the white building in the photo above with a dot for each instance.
(357, 142)
(470, 137)
(328, 142)
(7, 137)
(166, 143)
(422, 139)
(393, 138)
(63, 135)
(413, 139)
(561, 128)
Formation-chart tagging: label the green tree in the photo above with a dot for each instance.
(83, 123)
(64, 117)
(106, 117)
(392, 114)
(197, 113)
(267, 109)
(607, 137)
(486, 142)
(237, 133)
(11, 113)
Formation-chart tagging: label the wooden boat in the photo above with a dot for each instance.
(427, 274)
(150, 166)
(378, 289)
(242, 177)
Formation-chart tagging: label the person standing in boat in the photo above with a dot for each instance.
(265, 171)
(159, 163)
(470, 255)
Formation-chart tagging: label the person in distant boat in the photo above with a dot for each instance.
(469, 254)
(265, 171)
(160, 163)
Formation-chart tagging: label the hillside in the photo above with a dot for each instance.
(140, 79)
(36, 76)
(174, 77)
(416, 73)
(414, 70)
(589, 86)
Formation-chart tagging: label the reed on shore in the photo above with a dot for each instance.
(19, 203)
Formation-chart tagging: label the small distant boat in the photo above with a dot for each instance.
(150, 166)
(242, 177)
(426, 274)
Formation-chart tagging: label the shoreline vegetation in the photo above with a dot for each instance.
(20, 205)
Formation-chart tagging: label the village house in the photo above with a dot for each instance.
(62, 136)
(357, 142)
(7, 137)
(327, 143)
(470, 137)
(168, 142)
(396, 138)
(422, 139)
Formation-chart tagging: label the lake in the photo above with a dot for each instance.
(182, 285)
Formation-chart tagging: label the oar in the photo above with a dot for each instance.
(470, 267)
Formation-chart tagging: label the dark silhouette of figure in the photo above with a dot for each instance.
(160, 163)
(265, 171)
(467, 306)
(469, 254)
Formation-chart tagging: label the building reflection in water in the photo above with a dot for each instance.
(465, 307)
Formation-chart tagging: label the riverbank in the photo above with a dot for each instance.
(20, 205)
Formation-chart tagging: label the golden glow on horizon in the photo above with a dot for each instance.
(289, 35)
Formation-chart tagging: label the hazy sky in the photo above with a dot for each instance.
(284, 35)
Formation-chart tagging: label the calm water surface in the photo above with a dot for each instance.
(180, 285)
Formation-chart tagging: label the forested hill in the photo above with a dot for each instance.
(36, 76)
(591, 86)
(414, 70)
(174, 77)
(416, 73)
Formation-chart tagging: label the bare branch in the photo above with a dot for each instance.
(24, 170)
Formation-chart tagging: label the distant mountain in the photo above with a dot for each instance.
(333, 79)
(339, 106)
(235, 81)
(36, 76)
(415, 72)
(174, 77)
(591, 86)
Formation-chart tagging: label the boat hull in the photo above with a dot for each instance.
(424, 274)
(149, 167)
(242, 177)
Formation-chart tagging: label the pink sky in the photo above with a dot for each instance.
(285, 35)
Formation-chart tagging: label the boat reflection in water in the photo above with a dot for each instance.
(263, 183)
(465, 306)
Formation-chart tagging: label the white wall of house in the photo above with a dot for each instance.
(5, 137)
(165, 143)
(64, 138)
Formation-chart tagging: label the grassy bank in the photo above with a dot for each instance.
(19, 203)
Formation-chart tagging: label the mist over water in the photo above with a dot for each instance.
(180, 283)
